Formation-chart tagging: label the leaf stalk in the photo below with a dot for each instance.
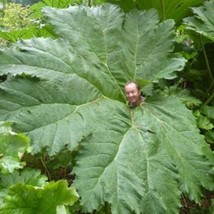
(46, 169)
(89, 3)
(163, 9)
(207, 61)
(209, 99)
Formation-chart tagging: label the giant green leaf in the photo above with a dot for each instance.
(116, 47)
(138, 168)
(103, 65)
(202, 21)
(68, 92)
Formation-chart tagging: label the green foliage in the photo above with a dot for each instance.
(12, 148)
(27, 176)
(68, 92)
(208, 113)
(205, 117)
(167, 9)
(27, 191)
(15, 16)
(203, 121)
(200, 74)
(36, 8)
(22, 2)
(202, 21)
(28, 199)
(18, 22)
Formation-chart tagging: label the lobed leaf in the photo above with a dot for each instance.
(49, 112)
(27, 176)
(202, 21)
(208, 111)
(28, 199)
(134, 170)
(12, 148)
(118, 48)
(68, 92)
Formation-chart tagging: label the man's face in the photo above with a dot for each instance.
(133, 94)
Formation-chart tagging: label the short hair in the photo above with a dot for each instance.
(133, 81)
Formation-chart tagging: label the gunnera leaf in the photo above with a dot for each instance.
(137, 160)
(78, 70)
(202, 21)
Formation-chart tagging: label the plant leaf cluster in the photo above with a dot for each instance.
(27, 191)
(68, 93)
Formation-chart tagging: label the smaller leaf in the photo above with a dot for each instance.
(12, 148)
(62, 159)
(208, 111)
(185, 97)
(8, 164)
(204, 123)
(27, 176)
(209, 135)
(26, 33)
(27, 199)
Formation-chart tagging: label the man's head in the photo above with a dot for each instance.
(133, 93)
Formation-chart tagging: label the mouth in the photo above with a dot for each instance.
(132, 100)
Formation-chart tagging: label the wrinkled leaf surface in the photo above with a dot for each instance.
(202, 21)
(69, 92)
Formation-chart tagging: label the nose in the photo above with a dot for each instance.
(130, 95)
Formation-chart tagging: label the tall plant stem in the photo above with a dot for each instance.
(163, 9)
(46, 169)
(209, 99)
(89, 3)
(207, 62)
(211, 85)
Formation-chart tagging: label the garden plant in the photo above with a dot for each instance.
(68, 141)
